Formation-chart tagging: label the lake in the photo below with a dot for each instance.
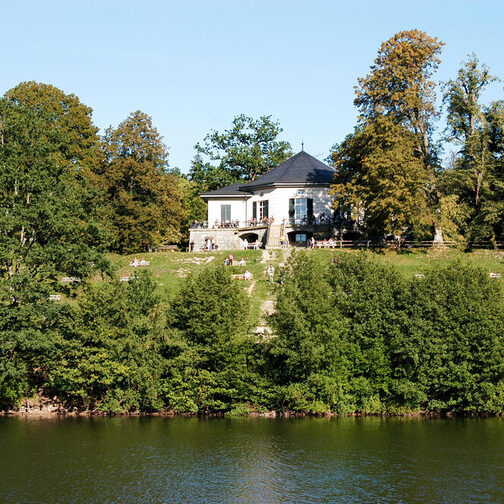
(251, 460)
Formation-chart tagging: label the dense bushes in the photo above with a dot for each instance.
(351, 336)
(377, 342)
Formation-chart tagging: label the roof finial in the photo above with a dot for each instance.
(302, 146)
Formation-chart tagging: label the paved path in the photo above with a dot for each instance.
(268, 255)
(251, 288)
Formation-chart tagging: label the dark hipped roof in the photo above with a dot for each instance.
(300, 169)
(230, 190)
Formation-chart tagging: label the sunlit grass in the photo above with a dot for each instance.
(168, 269)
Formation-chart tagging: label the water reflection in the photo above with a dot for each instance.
(251, 460)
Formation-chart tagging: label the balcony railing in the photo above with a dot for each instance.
(230, 224)
(316, 220)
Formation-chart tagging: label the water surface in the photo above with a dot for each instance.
(310, 460)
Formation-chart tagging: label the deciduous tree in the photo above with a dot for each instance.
(48, 228)
(78, 136)
(397, 98)
(472, 177)
(143, 199)
(246, 151)
(377, 174)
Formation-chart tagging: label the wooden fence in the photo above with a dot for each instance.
(406, 244)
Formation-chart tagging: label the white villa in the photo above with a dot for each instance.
(290, 204)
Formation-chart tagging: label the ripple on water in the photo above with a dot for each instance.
(252, 460)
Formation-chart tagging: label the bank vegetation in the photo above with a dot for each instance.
(351, 336)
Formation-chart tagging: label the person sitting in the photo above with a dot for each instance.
(242, 262)
(247, 275)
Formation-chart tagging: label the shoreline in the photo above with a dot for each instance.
(60, 413)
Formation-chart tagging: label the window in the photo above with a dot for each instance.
(225, 211)
(301, 210)
(300, 237)
(263, 209)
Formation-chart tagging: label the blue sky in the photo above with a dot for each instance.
(194, 65)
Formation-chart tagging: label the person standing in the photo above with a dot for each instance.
(230, 259)
(271, 272)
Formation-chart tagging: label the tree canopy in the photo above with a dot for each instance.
(143, 199)
(396, 102)
(242, 153)
(78, 137)
(48, 227)
(474, 177)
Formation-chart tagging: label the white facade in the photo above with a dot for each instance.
(278, 203)
(279, 200)
(237, 210)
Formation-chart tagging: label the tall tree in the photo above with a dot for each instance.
(48, 229)
(78, 137)
(470, 129)
(378, 176)
(246, 151)
(398, 94)
(143, 198)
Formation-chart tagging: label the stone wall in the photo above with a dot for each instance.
(225, 239)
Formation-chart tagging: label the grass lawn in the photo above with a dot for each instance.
(168, 269)
(419, 261)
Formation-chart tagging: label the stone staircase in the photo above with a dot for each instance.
(273, 236)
